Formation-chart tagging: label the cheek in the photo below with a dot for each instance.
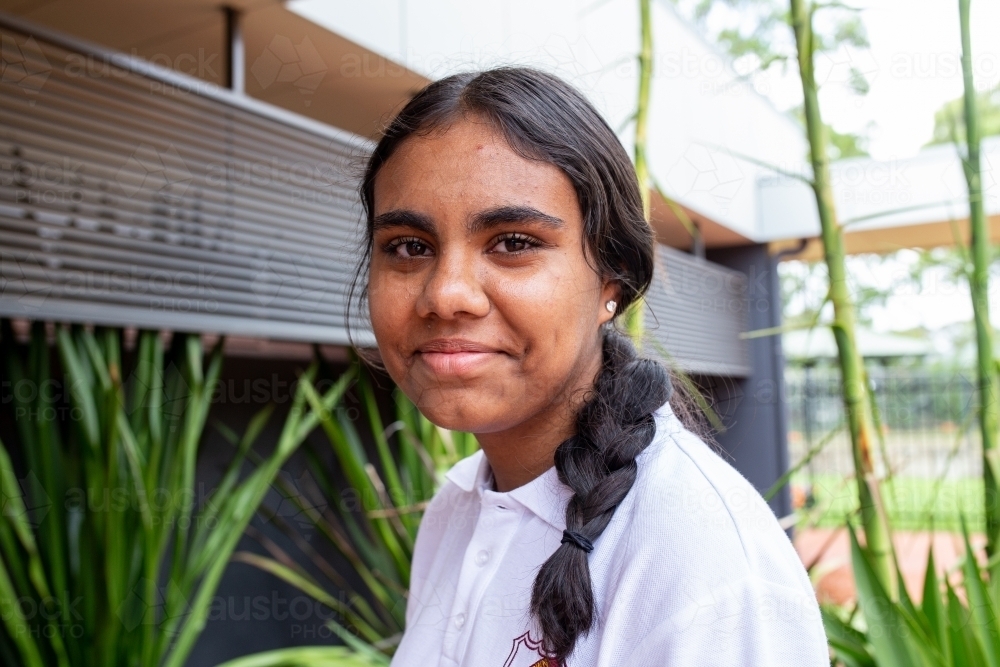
(389, 307)
(553, 309)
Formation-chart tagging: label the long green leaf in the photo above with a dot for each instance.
(309, 587)
(312, 656)
(965, 646)
(210, 513)
(983, 615)
(933, 607)
(17, 623)
(849, 645)
(888, 631)
(79, 388)
(350, 454)
(394, 486)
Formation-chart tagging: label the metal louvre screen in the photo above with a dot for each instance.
(129, 199)
(698, 310)
(135, 196)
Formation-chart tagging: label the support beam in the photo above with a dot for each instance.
(235, 57)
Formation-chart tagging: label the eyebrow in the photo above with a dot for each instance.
(403, 218)
(493, 217)
(482, 221)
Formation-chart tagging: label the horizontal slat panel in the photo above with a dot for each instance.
(107, 258)
(125, 200)
(697, 311)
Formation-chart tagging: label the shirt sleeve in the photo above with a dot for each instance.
(748, 623)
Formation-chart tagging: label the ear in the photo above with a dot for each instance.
(610, 291)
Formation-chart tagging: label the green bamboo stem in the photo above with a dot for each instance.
(989, 410)
(634, 315)
(642, 108)
(855, 390)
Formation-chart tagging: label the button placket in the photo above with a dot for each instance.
(495, 529)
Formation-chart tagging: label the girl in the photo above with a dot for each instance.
(505, 235)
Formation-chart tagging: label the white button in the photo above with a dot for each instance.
(460, 621)
(482, 557)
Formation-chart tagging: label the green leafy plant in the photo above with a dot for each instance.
(310, 656)
(105, 559)
(955, 624)
(370, 517)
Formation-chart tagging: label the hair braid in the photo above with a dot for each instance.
(613, 427)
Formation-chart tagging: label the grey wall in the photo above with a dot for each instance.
(753, 407)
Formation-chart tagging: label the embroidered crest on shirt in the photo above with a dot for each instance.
(525, 652)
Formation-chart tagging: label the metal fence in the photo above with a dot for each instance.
(930, 440)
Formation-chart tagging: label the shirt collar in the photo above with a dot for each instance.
(545, 496)
(468, 471)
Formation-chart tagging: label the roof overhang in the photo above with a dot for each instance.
(671, 231)
(337, 82)
(888, 239)
(920, 201)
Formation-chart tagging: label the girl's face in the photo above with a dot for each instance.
(484, 306)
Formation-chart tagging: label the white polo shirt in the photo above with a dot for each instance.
(693, 570)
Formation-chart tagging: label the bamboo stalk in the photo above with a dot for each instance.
(855, 390)
(989, 410)
(642, 109)
(634, 315)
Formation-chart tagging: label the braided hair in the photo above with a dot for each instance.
(598, 463)
(543, 118)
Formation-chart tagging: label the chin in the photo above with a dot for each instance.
(464, 411)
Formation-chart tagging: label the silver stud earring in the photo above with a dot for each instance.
(611, 305)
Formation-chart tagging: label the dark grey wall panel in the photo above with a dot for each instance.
(753, 407)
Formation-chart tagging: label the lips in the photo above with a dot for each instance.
(455, 356)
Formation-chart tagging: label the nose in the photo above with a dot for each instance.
(453, 289)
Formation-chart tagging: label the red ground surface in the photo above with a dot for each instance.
(828, 551)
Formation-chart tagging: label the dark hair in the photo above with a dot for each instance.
(543, 118)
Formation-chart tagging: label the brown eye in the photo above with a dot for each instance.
(415, 248)
(513, 244)
(409, 247)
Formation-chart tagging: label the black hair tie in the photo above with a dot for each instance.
(577, 540)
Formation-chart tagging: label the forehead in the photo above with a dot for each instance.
(467, 166)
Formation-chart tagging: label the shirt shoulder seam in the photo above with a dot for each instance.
(711, 482)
